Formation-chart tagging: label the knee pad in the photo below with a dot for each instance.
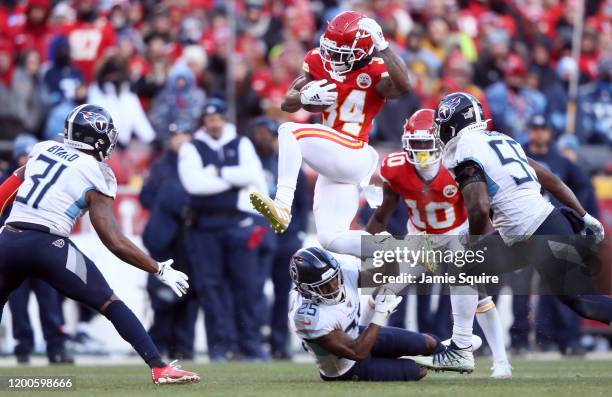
(485, 304)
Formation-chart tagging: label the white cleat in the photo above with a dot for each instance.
(450, 359)
(279, 217)
(501, 370)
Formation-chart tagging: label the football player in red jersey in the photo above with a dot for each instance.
(348, 85)
(436, 207)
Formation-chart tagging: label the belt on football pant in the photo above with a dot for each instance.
(27, 226)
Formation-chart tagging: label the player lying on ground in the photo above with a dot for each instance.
(324, 312)
(494, 174)
(436, 208)
(349, 86)
(61, 181)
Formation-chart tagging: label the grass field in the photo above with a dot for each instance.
(567, 377)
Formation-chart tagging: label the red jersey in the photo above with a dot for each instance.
(436, 207)
(358, 102)
(88, 42)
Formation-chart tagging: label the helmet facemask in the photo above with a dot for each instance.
(325, 291)
(338, 60)
(422, 148)
(112, 137)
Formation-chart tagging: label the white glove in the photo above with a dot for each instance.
(318, 92)
(372, 27)
(384, 305)
(174, 279)
(591, 223)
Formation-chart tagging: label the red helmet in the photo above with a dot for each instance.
(343, 43)
(419, 140)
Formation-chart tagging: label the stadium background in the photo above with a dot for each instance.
(518, 57)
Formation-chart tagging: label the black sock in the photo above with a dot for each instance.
(132, 331)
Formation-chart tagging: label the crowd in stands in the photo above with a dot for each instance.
(154, 65)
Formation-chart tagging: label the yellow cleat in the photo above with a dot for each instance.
(279, 217)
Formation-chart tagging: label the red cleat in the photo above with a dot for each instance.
(173, 374)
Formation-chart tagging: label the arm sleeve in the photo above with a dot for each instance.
(249, 170)
(196, 179)
(469, 172)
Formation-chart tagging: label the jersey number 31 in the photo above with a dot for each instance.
(44, 180)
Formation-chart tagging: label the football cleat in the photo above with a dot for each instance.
(501, 370)
(279, 217)
(450, 359)
(173, 374)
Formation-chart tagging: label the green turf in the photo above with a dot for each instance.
(567, 377)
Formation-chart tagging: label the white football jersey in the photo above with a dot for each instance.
(311, 320)
(57, 178)
(513, 187)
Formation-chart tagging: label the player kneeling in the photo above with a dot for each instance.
(325, 313)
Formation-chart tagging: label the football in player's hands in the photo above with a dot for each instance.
(318, 95)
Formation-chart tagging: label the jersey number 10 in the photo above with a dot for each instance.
(44, 179)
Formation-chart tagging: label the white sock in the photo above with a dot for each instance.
(464, 300)
(488, 319)
(289, 164)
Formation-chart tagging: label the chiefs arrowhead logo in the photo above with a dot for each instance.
(447, 108)
(97, 121)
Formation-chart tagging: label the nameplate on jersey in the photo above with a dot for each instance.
(62, 153)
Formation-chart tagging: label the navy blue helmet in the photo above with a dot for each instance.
(90, 128)
(455, 113)
(313, 271)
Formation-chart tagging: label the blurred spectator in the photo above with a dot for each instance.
(173, 327)
(61, 78)
(32, 30)
(419, 59)
(265, 140)
(180, 102)
(54, 126)
(492, 59)
(155, 70)
(389, 122)
(90, 36)
(247, 102)
(27, 92)
(259, 23)
(511, 102)
(218, 169)
(594, 115)
(112, 91)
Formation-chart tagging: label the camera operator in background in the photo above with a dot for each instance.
(173, 328)
(218, 169)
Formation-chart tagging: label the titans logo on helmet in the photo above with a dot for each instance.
(447, 109)
(97, 121)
